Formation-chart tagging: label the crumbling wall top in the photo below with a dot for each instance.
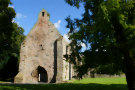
(44, 15)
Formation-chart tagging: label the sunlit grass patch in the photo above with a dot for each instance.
(85, 84)
(113, 80)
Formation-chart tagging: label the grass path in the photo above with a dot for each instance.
(85, 84)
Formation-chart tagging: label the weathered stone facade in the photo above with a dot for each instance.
(41, 55)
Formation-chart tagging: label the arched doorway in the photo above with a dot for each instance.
(42, 75)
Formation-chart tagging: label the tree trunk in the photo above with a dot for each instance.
(124, 48)
(130, 71)
(130, 81)
(130, 76)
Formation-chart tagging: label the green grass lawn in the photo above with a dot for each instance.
(85, 84)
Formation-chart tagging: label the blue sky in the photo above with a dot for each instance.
(27, 13)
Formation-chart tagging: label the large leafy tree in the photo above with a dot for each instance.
(6, 28)
(11, 36)
(107, 27)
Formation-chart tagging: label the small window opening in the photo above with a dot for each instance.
(42, 48)
(43, 13)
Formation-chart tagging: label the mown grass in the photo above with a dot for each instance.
(112, 80)
(85, 84)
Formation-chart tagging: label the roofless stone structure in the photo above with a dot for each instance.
(41, 55)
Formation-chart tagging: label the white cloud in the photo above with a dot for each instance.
(83, 45)
(13, 21)
(20, 16)
(11, 6)
(66, 38)
(57, 24)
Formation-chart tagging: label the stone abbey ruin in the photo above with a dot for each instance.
(42, 55)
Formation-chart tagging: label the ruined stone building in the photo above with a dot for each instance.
(42, 54)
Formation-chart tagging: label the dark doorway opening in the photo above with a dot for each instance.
(42, 75)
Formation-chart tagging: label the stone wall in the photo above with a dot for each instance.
(42, 53)
(67, 67)
(38, 49)
(59, 60)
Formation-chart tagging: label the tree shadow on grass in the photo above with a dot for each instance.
(65, 86)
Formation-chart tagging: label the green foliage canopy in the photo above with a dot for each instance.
(11, 36)
(107, 27)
